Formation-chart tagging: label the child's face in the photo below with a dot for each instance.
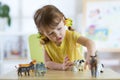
(57, 34)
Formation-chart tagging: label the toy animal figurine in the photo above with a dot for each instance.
(26, 68)
(23, 69)
(78, 65)
(93, 65)
(100, 68)
(96, 67)
(26, 65)
(40, 69)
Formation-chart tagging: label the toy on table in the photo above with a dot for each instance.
(100, 68)
(78, 65)
(96, 68)
(93, 66)
(40, 69)
(26, 68)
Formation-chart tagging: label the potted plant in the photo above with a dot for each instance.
(4, 14)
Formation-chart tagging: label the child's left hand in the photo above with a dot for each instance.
(66, 64)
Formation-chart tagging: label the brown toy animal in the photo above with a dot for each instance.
(93, 65)
(26, 68)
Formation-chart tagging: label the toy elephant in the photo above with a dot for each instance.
(40, 69)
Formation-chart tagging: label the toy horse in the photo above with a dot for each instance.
(96, 68)
(26, 68)
(93, 66)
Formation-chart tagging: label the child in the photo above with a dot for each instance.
(61, 43)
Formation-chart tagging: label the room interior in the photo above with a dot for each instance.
(86, 16)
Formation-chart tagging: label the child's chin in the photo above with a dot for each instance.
(60, 41)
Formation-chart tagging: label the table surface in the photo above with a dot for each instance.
(55, 74)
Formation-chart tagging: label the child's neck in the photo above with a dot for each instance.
(58, 44)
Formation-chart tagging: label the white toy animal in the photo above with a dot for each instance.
(78, 65)
(100, 69)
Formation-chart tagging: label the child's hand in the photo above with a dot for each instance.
(66, 64)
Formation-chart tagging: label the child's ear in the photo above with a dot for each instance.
(64, 21)
(64, 18)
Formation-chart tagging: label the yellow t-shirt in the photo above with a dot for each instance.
(69, 47)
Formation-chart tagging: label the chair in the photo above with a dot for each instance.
(35, 48)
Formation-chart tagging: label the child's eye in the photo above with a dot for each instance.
(59, 28)
(50, 33)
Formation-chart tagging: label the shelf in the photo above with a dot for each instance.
(16, 60)
(114, 50)
(12, 59)
(8, 48)
(13, 33)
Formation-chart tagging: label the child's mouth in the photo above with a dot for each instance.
(59, 39)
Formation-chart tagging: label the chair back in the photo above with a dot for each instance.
(36, 49)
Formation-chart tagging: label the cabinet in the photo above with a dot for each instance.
(13, 50)
(13, 46)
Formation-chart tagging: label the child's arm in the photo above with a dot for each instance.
(57, 66)
(90, 45)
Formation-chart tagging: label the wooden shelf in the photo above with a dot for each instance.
(110, 50)
(13, 33)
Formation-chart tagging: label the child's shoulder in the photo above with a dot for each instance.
(68, 32)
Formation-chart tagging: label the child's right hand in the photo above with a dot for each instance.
(67, 64)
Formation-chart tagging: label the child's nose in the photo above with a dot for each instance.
(57, 34)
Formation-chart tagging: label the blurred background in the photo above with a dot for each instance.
(95, 19)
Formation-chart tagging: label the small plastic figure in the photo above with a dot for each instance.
(96, 68)
(100, 68)
(93, 66)
(25, 68)
(78, 65)
(40, 69)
